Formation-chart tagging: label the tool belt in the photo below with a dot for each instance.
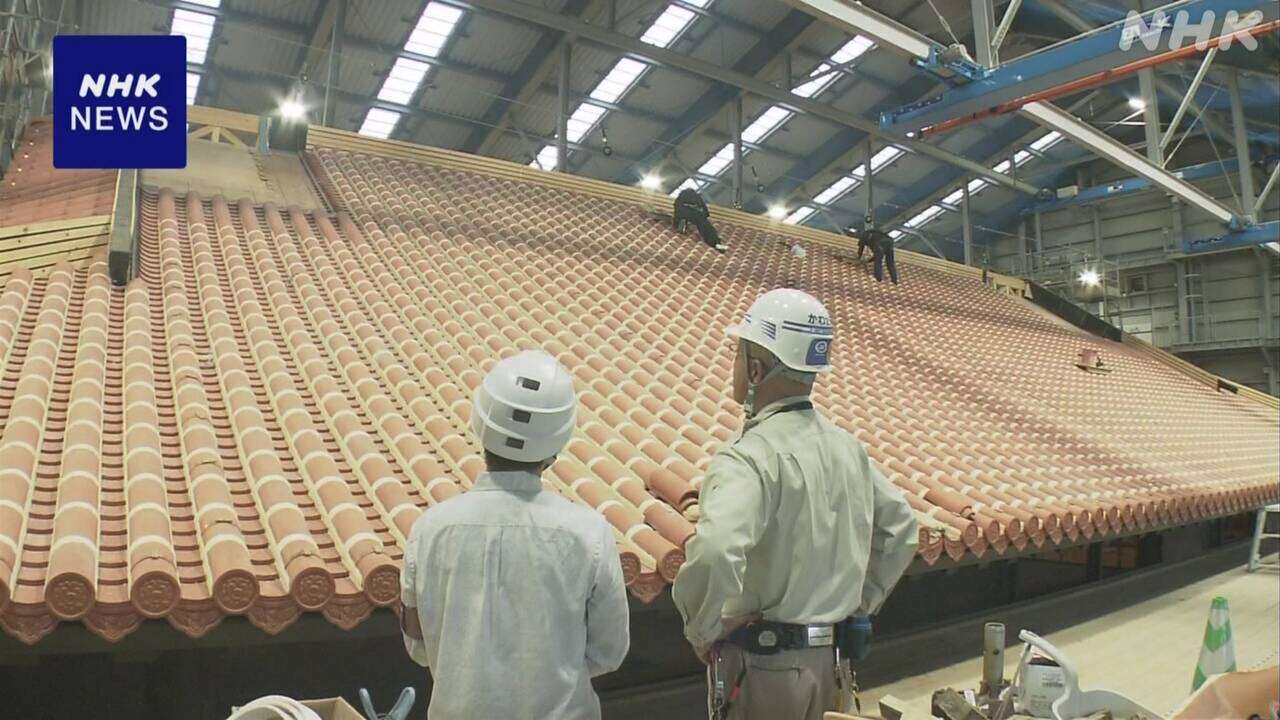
(768, 638)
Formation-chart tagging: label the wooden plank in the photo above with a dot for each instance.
(25, 241)
(49, 226)
(229, 119)
(203, 133)
(11, 256)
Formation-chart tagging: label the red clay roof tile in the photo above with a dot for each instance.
(252, 426)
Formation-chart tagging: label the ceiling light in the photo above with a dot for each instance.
(1137, 103)
(292, 110)
(1089, 277)
(651, 181)
(777, 212)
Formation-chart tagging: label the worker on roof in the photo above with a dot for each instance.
(691, 208)
(881, 245)
(511, 594)
(800, 536)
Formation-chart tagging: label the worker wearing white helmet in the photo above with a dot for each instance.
(799, 531)
(512, 595)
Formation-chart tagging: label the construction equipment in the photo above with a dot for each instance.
(1075, 703)
(1259, 534)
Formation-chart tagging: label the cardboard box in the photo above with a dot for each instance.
(333, 709)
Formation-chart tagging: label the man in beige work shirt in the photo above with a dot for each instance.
(798, 532)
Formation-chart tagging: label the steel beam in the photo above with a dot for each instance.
(1005, 23)
(966, 228)
(1241, 132)
(869, 178)
(1189, 97)
(1150, 116)
(1051, 117)
(335, 55)
(1266, 191)
(519, 90)
(767, 57)
(755, 86)
(1073, 60)
(855, 18)
(737, 151)
(984, 19)
(562, 118)
(1128, 186)
(1248, 237)
(1104, 146)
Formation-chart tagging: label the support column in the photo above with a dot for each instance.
(736, 119)
(1039, 234)
(1184, 321)
(1240, 132)
(965, 222)
(1151, 115)
(869, 178)
(613, 15)
(562, 119)
(984, 22)
(1023, 249)
(788, 80)
(335, 59)
(1264, 257)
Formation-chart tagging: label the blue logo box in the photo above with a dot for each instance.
(119, 101)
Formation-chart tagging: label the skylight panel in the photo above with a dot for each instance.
(193, 87)
(429, 36)
(669, 25)
(799, 215)
(1047, 141)
(924, 216)
(434, 27)
(198, 28)
(379, 123)
(895, 234)
(766, 123)
(885, 156)
(1021, 157)
(620, 79)
(719, 161)
(403, 81)
(582, 120)
(954, 197)
(824, 75)
(836, 189)
(1002, 166)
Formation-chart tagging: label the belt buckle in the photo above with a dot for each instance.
(820, 635)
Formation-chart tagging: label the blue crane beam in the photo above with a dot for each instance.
(1170, 27)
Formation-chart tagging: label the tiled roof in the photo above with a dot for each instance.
(32, 190)
(254, 423)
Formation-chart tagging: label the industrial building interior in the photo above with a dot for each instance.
(1075, 382)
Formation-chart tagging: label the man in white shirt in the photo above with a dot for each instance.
(799, 532)
(511, 594)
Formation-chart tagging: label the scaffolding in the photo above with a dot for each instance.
(1084, 279)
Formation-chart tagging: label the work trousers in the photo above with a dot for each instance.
(705, 229)
(882, 258)
(788, 685)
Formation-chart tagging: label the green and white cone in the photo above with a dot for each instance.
(1218, 654)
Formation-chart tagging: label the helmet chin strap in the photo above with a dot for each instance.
(779, 368)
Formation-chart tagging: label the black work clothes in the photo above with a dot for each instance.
(690, 207)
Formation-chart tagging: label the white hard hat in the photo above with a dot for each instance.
(524, 408)
(792, 325)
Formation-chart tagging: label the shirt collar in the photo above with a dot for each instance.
(510, 481)
(774, 407)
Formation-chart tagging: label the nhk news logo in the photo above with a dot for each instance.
(1234, 27)
(119, 101)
